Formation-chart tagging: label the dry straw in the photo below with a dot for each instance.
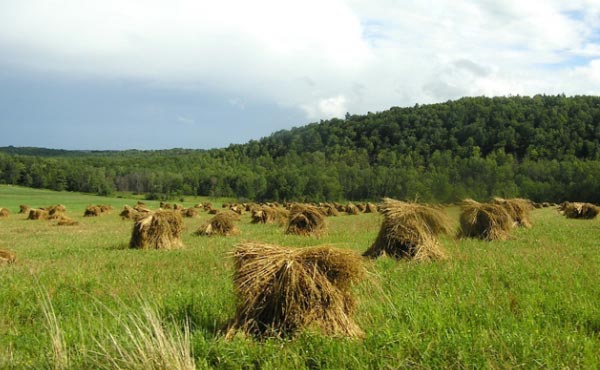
(4, 212)
(7, 257)
(223, 224)
(283, 290)
(486, 221)
(24, 209)
(519, 209)
(269, 215)
(37, 214)
(351, 209)
(586, 211)
(305, 220)
(410, 230)
(160, 230)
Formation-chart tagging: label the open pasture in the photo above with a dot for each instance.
(78, 297)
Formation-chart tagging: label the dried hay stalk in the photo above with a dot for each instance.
(371, 208)
(585, 211)
(305, 220)
(4, 212)
(519, 209)
(24, 209)
(37, 214)
(223, 224)
(283, 290)
(7, 257)
(484, 221)
(160, 230)
(410, 230)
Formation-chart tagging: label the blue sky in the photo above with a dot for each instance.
(156, 74)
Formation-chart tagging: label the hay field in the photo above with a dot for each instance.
(79, 298)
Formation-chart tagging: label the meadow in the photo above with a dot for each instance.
(79, 298)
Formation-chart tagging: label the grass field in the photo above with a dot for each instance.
(79, 298)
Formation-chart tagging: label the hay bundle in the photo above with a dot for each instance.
(23, 209)
(105, 208)
(370, 208)
(223, 224)
(269, 215)
(164, 205)
(283, 290)
(305, 220)
(160, 230)
(199, 205)
(190, 212)
(330, 211)
(410, 230)
(178, 207)
(351, 209)
(213, 211)
(518, 209)
(207, 206)
(237, 209)
(7, 257)
(361, 207)
(586, 211)
(484, 221)
(66, 221)
(4, 212)
(128, 213)
(37, 214)
(55, 212)
(92, 211)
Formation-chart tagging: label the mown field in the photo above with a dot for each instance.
(78, 298)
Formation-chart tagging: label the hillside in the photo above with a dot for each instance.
(541, 147)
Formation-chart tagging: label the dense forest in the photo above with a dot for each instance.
(546, 148)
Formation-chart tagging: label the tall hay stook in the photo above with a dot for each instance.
(586, 211)
(160, 230)
(283, 290)
(486, 221)
(4, 212)
(223, 224)
(519, 209)
(306, 220)
(410, 230)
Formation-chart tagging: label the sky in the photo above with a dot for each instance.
(158, 74)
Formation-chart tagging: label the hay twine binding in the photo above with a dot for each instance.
(281, 291)
(410, 230)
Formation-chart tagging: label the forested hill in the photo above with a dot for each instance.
(541, 147)
(540, 127)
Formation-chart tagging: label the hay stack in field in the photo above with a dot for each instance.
(223, 224)
(410, 230)
(7, 257)
(361, 207)
(330, 210)
(4, 212)
(269, 215)
(66, 221)
(24, 209)
(281, 291)
(484, 221)
(370, 208)
(37, 214)
(128, 213)
(105, 208)
(190, 212)
(518, 209)
(305, 220)
(207, 206)
(586, 211)
(92, 211)
(351, 209)
(160, 230)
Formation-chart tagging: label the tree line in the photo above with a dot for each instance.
(545, 148)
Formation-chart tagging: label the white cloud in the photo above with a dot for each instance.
(322, 56)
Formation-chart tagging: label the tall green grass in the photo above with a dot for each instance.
(78, 298)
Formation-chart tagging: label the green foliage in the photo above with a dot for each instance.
(546, 148)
